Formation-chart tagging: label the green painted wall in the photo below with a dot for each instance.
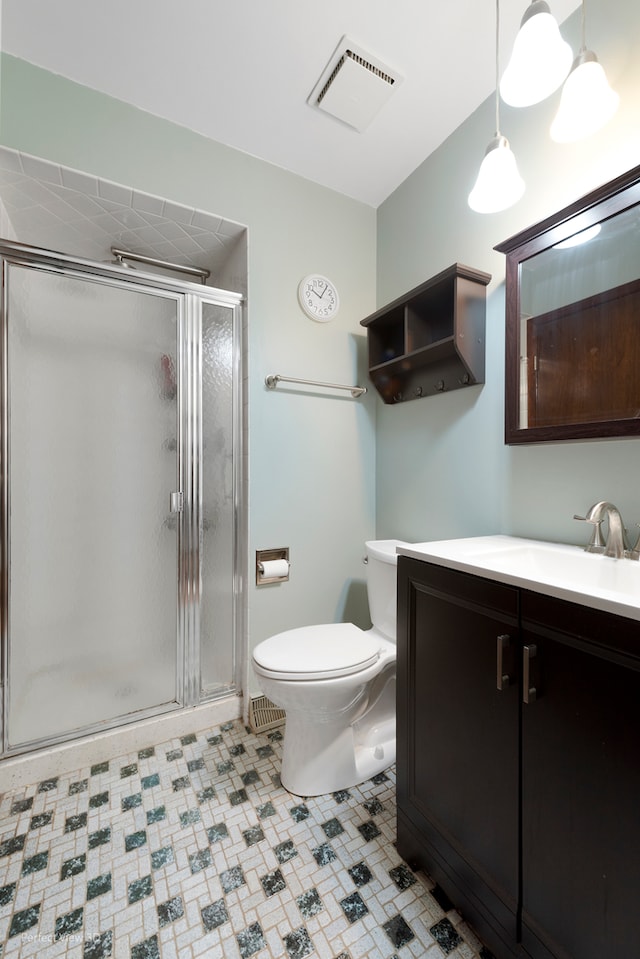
(311, 457)
(443, 470)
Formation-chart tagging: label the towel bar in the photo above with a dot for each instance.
(273, 379)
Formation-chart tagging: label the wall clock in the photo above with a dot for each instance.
(318, 297)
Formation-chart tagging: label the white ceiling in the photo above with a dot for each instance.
(240, 71)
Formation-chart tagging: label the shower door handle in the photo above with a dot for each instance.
(176, 502)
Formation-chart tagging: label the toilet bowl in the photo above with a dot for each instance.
(336, 683)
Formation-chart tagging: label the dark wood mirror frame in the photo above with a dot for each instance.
(602, 204)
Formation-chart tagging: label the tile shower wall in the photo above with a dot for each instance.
(192, 848)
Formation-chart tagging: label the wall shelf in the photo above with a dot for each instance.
(432, 339)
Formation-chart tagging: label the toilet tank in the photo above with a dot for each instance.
(382, 562)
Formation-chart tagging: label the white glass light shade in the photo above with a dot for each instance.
(499, 184)
(587, 101)
(540, 59)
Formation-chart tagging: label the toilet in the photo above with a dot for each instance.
(336, 683)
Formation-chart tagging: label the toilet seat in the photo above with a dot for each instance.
(316, 652)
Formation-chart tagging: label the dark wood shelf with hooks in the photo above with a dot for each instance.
(432, 339)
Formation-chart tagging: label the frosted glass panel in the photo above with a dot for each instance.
(92, 460)
(217, 643)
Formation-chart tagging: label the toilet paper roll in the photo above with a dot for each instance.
(274, 567)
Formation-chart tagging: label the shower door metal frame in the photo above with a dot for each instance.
(187, 296)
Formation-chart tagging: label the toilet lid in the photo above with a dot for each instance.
(317, 652)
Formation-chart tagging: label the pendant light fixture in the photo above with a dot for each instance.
(587, 100)
(540, 60)
(584, 236)
(499, 184)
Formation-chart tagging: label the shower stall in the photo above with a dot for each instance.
(122, 496)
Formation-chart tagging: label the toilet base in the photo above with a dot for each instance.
(322, 759)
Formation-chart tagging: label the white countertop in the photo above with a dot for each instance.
(567, 572)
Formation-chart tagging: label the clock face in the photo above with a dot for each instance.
(318, 297)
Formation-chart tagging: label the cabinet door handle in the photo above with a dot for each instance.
(502, 678)
(529, 692)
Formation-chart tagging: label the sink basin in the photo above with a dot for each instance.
(552, 568)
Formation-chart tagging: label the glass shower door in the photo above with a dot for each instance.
(219, 490)
(92, 459)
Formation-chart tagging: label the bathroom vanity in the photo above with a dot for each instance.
(518, 735)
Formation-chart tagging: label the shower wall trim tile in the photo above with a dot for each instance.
(58, 760)
(68, 211)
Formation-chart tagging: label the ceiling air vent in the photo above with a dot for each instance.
(354, 86)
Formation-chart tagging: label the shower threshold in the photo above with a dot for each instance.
(22, 770)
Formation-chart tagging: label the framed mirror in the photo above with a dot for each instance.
(573, 320)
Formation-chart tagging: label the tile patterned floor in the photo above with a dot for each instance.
(193, 849)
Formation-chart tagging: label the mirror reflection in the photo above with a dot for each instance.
(580, 327)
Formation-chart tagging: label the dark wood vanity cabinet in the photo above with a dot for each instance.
(526, 813)
(457, 737)
(580, 782)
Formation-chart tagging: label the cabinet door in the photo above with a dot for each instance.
(581, 793)
(458, 739)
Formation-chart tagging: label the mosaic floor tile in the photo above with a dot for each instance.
(99, 947)
(361, 874)
(35, 863)
(72, 922)
(200, 860)
(192, 848)
(217, 832)
(100, 837)
(47, 785)
(251, 940)
(253, 835)
(71, 867)
(273, 882)
(148, 949)
(402, 876)
(323, 854)
(139, 889)
(162, 857)
(369, 830)
(332, 828)
(398, 931)
(298, 943)
(171, 910)
(353, 907)
(285, 851)
(99, 886)
(445, 935)
(23, 920)
(309, 903)
(214, 915)
(7, 893)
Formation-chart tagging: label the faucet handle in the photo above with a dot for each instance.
(634, 552)
(596, 544)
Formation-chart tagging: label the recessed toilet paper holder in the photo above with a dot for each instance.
(266, 569)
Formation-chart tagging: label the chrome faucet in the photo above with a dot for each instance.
(616, 543)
